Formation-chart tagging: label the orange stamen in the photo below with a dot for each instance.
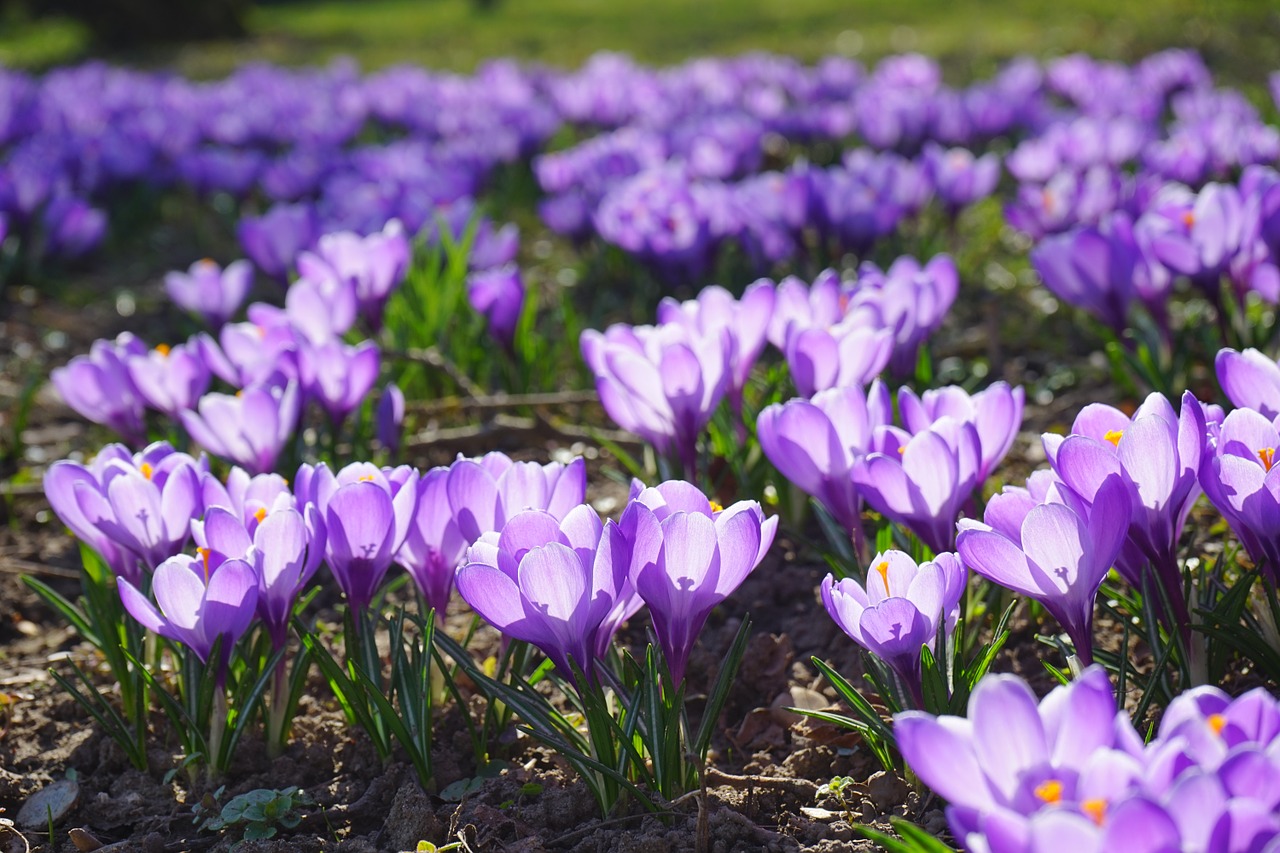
(367, 478)
(204, 555)
(163, 349)
(1114, 436)
(261, 514)
(883, 568)
(1049, 791)
(716, 507)
(146, 469)
(1188, 219)
(1268, 457)
(1216, 722)
(1095, 809)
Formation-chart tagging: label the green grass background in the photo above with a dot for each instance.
(1240, 38)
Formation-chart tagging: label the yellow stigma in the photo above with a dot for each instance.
(716, 507)
(240, 393)
(902, 450)
(1049, 791)
(146, 469)
(1268, 457)
(1216, 722)
(261, 514)
(1095, 809)
(163, 349)
(367, 478)
(883, 568)
(1114, 436)
(204, 555)
(1188, 219)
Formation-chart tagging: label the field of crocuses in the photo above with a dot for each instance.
(743, 455)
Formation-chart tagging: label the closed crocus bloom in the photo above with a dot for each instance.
(1011, 763)
(661, 382)
(284, 548)
(435, 545)
(250, 353)
(367, 512)
(548, 582)
(996, 413)
(339, 376)
(958, 177)
(321, 306)
(486, 491)
(1239, 475)
(922, 481)
(853, 352)
(813, 443)
(196, 606)
(274, 240)
(498, 295)
(746, 320)
(899, 610)
(249, 428)
(1250, 380)
(1060, 559)
(170, 379)
(207, 289)
(1092, 268)
(98, 386)
(796, 303)
(687, 557)
(373, 265)
(389, 417)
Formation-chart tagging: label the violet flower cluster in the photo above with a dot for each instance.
(1072, 773)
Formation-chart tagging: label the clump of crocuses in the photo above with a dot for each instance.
(1071, 772)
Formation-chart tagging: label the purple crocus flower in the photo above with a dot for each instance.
(1197, 236)
(1157, 455)
(367, 512)
(72, 226)
(142, 503)
(687, 557)
(1060, 558)
(746, 321)
(813, 443)
(995, 412)
(98, 386)
(389, 417)
(254, 352)
(249, 497)
(498, 294)
(197, 606)
(853, 352)
(1011, 759)
(958, 177)
(484, 492)
(661, 382)
(435, 545)
(1092, 268)
(211, 291)
(249, 428)
(922, 481)
(1250, 380)
(899, 610)
(1239, 476)
(373, 265)
(549, 582)
(320, 306)
(339, 376)
(170, 379)
(272, 241)
(284, 549)
(805, 306)
(911, 299)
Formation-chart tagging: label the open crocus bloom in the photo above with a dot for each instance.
(1239, 475)
(898, 611)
